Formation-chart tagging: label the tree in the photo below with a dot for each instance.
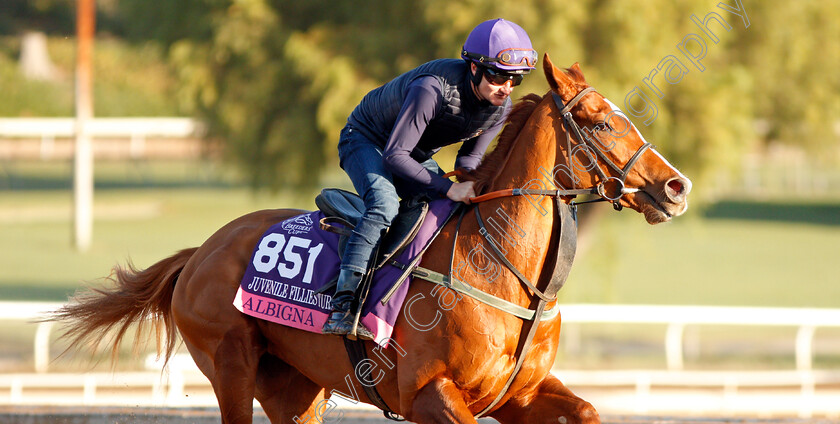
(276, 79)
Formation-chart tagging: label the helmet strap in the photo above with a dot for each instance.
(475, 78)
(477, 75)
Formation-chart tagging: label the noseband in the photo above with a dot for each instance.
(572, 127)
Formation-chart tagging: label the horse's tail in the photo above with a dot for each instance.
(139, 296)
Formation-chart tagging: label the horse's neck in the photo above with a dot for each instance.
(533, 155)
(540, 159)
(522, 225)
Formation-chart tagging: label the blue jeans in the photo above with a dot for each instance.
(362, 160)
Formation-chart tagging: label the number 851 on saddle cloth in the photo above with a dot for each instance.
(296, 258)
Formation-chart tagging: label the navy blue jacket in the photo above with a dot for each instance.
(416, 114)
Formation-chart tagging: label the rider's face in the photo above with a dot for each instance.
(495, 94)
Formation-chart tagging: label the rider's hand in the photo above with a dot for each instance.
(461, 192)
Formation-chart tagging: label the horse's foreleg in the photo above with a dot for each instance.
(440, 402)
(553, 403)
(285, 393)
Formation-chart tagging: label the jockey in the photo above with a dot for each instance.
(387, 145)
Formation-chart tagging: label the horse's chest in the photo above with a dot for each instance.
(484, 362)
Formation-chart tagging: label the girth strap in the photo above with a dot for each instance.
(566, 246)
(357, 353)
(521, 352)
(356, 348)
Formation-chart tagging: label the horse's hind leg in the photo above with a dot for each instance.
(285, 393)
(552, 403)
(227, 349)
(236, 363)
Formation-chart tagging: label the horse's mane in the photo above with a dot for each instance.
(492, 164)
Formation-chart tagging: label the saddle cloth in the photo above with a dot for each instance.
(295, 258)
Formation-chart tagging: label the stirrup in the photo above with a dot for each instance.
(340, 323)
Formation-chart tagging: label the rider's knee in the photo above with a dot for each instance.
(384, 209)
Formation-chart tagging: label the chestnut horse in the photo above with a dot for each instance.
(442, 373)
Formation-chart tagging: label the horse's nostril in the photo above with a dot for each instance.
(676, 186)
(676, 189)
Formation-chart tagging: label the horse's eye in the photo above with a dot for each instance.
(602, 126)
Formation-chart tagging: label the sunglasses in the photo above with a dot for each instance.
(496, 77)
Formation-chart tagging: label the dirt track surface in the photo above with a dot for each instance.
(112, 415)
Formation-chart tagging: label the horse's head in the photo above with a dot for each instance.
(604, 149)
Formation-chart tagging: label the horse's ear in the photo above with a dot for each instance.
(557, 79)
(576, 74)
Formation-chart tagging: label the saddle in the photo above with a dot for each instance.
(346, 208)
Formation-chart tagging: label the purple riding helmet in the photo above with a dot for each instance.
(500, 46)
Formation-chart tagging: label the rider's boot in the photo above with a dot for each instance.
(341, 318)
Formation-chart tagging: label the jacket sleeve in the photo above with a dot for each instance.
(472, 151)
(423, 102)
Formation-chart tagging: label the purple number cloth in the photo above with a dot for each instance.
(295, 258)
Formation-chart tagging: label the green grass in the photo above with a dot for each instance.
(734, 253)
(39, 262)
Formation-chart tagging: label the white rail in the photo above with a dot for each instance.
(149, 388)
(677, 317)
(100, 127)
(136, 130)
(35, 313)
(182, 371)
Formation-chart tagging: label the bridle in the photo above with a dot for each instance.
(573, 127)
(567, 240)
(600, 189)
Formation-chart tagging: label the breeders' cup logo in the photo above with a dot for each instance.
(297, 225)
